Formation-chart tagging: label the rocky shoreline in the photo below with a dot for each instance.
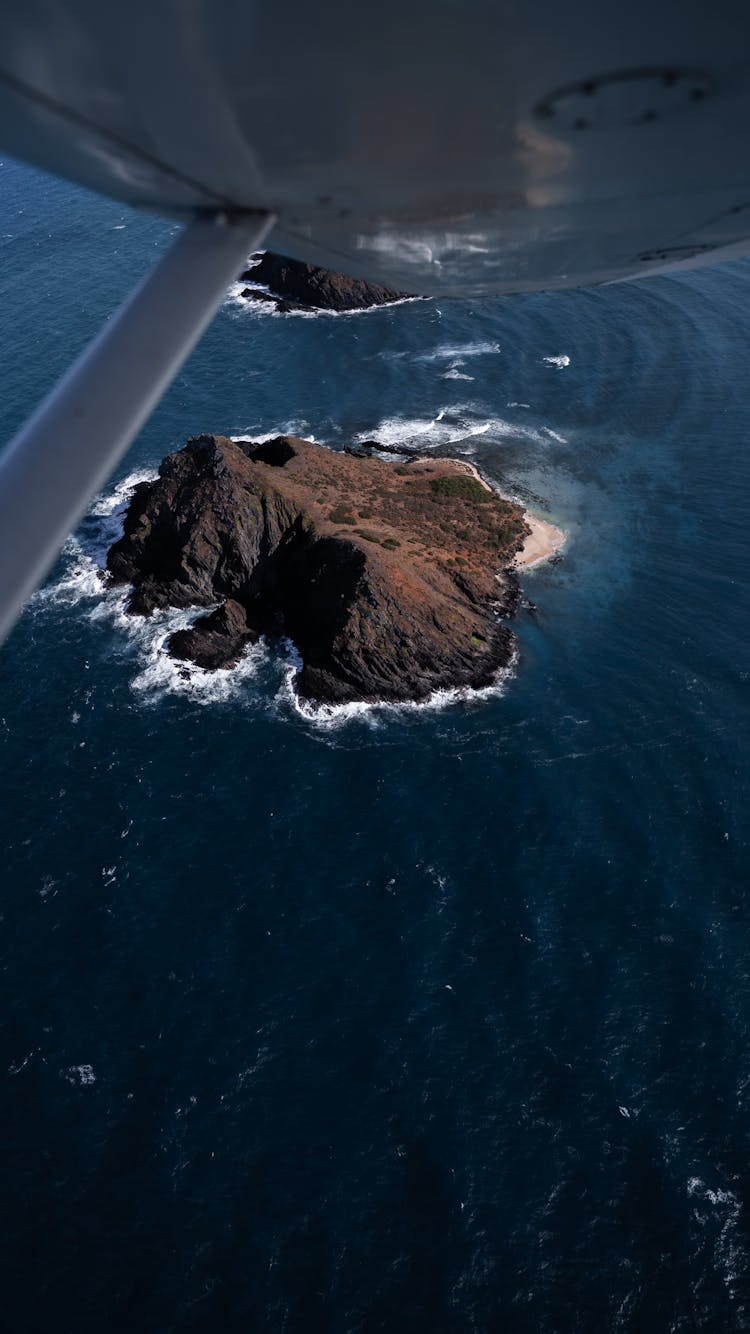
(391, 579)
(289, 285)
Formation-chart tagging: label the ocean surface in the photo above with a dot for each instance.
(409, 1020)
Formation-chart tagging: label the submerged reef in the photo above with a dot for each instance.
(389, 577)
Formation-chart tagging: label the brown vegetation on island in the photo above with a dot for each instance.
(390, 578)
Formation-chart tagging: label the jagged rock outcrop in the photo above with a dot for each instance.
(388, 577)
(215, 640)
(296, 286)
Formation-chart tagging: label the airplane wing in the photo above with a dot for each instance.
(455, 146)
(451, 148)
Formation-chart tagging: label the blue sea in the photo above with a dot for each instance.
(411, 1020)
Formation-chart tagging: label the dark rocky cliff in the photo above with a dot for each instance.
(296, 286)
(389, 578)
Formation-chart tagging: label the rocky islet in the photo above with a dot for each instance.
(289, 285)
(392, 578)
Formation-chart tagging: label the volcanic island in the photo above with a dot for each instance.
(289, 285)
(392, 578)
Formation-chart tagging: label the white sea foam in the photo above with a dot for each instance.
(554, 435)
(257, 305)
(158, 674)
(16, 1067)
(452, 424)
(298, 426)
(560, 362)
(698, 1188)
(79, 1074)
(451, 351)
(83, 575)
(234, 296)
(109, 511)
(250, 306)
(374, 713)
(144, 637)
(81, 579)
(453, 373)
(725, 1212)
(108, 502)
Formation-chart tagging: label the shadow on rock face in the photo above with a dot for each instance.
(275, 452)
(389, 578)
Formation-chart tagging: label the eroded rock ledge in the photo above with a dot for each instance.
(389, 577)
(296, 286)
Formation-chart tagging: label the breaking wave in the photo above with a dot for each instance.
(452, 351)
(454, 373)
(297, 426)
(115, 501)
(374, 712)
(451, 425)
(258, 306)
(144, 638)
(83, 580)
(158, 674)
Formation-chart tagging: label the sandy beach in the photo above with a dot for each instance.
(545, 539)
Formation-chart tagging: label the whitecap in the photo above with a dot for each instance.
(697, 1187)
(454, 374)
(297, 427)
(79, 1074)
(723, 1216)
(450, 351)
(450, 425)
(16, 1067)
(560, 362)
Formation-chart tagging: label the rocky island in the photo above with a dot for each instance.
(290, 285)
(390, 578)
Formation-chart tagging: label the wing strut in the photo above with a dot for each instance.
(76, 437)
